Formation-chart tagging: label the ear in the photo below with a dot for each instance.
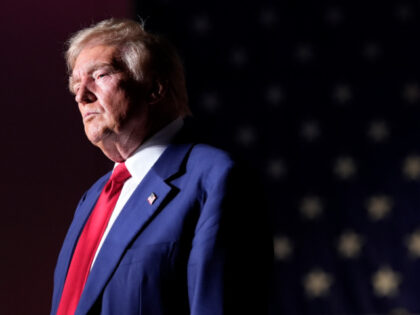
(157, 92)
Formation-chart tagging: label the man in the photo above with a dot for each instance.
(169, 231)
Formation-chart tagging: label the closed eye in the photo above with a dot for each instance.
(101, 75)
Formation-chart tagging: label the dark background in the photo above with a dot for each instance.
(46, 161)
(322, 97)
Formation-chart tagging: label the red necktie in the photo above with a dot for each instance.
(89, 241)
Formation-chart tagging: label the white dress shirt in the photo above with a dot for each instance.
(139, 164)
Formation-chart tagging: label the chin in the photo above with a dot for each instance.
(94, 135)
(94, 138)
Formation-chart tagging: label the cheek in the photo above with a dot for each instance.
(117, 104)
(108, 85)
(113, 98)
(109, 97)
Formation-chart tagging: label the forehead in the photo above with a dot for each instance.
(92, 57)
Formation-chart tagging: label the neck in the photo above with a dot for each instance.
(119, 147)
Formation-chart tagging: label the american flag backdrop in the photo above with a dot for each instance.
(324, 99)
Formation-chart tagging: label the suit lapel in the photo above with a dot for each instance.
(82, 213)
(135, 215)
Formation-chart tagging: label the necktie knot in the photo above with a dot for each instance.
(120, 173)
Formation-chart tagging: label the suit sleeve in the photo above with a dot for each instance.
(230, 259)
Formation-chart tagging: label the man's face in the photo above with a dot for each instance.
(101, 91)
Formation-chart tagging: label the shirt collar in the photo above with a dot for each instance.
(142, 160)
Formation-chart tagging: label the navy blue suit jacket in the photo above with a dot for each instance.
(195, 250)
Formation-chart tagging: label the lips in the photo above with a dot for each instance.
(89, 115)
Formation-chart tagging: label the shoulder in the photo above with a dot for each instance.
(203, 151)
(209, 156)
(210, 160)
(210, 165)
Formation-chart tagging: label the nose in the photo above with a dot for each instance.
(84, 94)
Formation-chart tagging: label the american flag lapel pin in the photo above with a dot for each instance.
(152, 198)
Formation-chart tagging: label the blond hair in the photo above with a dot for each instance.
(138, 49)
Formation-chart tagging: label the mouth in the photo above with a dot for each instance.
(89, 115)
